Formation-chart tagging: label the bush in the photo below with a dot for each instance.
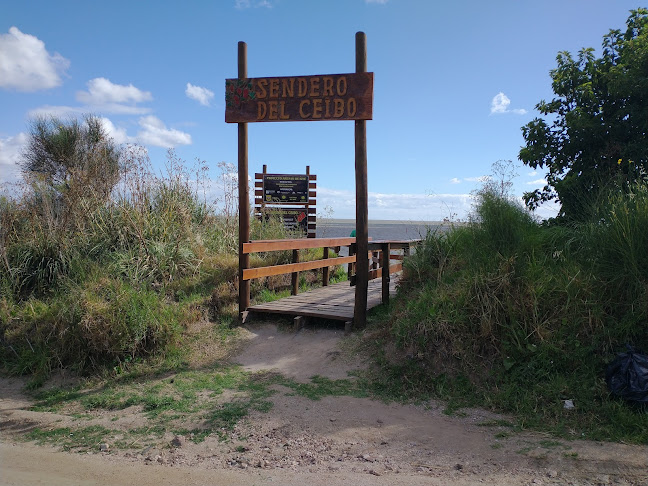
(529, 313)
(112, 286)
(106, 322)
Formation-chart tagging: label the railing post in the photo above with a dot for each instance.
(325, 270)
(386, 250)
(295, 275)
(351, 267)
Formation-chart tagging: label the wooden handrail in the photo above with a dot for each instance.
(295, 244)
(250, 273)
(394, 245)
(380, 247)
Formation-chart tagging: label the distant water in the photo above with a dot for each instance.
(378, 229)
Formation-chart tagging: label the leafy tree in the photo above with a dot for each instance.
(70, 163)
(595, 132)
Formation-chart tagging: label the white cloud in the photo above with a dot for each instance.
(244, 4)
(102, 97)
(67, 111)
(454, 180)
(119, 135)
(155, 132)
(532, 173)
(25, 64)
(477, 179)
(500, 104)
(538, 182)
(10, 151)
(56, 111)
(152, 130)
(409, 207)
(201, 95)
(102, 91)
(381, 2)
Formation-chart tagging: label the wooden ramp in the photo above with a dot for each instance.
(332, 302)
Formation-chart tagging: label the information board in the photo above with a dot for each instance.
(285, 188)
(293, 219)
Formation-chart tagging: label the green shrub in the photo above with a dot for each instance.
(108, 320)
(529, 313)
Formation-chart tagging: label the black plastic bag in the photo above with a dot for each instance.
(627, 376)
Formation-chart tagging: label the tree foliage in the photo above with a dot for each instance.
(60, 152)
(70, 163)
(595, 132)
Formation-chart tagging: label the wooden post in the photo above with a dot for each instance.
(325, 270)
(265, 171)
(295, 275)
(351, 266)
(362, 209)
(244, 195)
(386, 250)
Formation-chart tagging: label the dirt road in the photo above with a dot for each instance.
(335, 440)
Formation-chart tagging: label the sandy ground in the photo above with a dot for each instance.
(336, 440)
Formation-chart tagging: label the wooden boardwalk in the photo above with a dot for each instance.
(332, 302)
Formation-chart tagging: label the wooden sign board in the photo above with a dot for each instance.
(285, 188)
(300, 98)
(293, 219)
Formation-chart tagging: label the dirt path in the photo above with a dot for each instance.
(335, 440)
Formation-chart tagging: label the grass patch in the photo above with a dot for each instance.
(164, 401)
(321, 386)
(79, 439)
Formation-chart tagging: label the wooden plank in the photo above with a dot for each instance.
(295, 244)
(299, 98)
(251, 273)
(333, 302)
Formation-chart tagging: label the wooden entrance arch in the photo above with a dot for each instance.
(304, 98)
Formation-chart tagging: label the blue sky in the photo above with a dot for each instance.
(454, 81)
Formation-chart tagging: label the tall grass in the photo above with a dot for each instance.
(124, 275)
(530, 313)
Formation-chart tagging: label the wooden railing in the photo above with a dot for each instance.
(380, 254)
